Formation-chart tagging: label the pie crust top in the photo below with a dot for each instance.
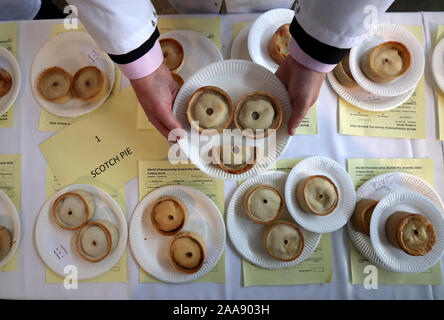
(284, 241)
(187, 252)
(177, 79)
(233, 159)
(278, 45)
(5, 242)
(90, 83)
(54, 85)
(97, 240)
(173, 54)
(73, 209)
(264, 204)
(5, 82)
(168, 215)
(317, 195)
(211, 107)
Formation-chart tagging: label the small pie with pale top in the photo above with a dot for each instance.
(233, 159)
(173, 54)
(90, 84)
(73, 209)
(54, 85)
(5, 82)
(264, 204)
(257, 113)
(168, 215)
(386, 62)
(284, 241)
(178, 80)
(210, 110)
(5, 242)
(187, 252)
(97, 240)
(362, 215)
(412, 233)
(278, 44)
(317, 195)
(343, 74)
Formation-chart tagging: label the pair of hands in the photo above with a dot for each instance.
(156, 94)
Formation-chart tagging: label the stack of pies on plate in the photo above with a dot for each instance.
(317, 195)
(412, 233)
(284, 241)
(264, 204)
(233, 159)
(5, 82)
(278, 44)
(187, 252)
(362, 215)
(173, 54)
(5, 242)
(168, 216)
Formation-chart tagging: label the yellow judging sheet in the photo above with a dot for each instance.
(210, 27)
(10, 172)
(406, 121)
(53, 123)
(118, 272)
(362, 170)
(155, 174)
(8, 39)
(104, 147)
(315, 269)
(439, 93)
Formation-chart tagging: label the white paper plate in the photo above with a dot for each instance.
(396, 259)
(199, 51)
(346, 191)
(247, 235)
(376, 189)
(239, 49)
(71, 51)
(151, 249)
(365, 100)
(262, 30)
(57, 247)
(438, 64)
(382, 33)
(9, 63)
(237, 78)
(10, 219)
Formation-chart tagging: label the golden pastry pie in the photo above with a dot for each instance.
(233, 159)
(73, 209)
(5, 242)
(54, 85)
(90, 84)
(343, 74)
(317, 195)
(257, 113)
(177, 79)
(362, 215)
(97, 240)
(5, 82)
(412, 233)
(168, 215)
(284, 241)
(187, 252)
(386, 62)
(210, 108)
(173, 54)
(278, 44)
(264, 204)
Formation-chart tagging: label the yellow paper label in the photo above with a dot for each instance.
(52, 123)
(8, 39)
(439, 93)
(315, 269)
(104, 147)
(10, 171)
(362, 170)
(406, 121)
(156, 174)
(116, 273)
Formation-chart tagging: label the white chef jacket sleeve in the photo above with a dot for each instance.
(126, 30)
(324, 31)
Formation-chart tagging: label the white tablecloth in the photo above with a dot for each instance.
(29, 280)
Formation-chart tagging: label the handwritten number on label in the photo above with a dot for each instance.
(98, 139)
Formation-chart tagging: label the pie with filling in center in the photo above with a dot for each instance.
(73, 209)
(54, 85)
(187, 252)
(5, 82)
(278, 44)
(168, 215)
(317, 195)
(284, 241)
(5, 242)
(90, 84)
(233, 159)
(173, 54)
(264, 204)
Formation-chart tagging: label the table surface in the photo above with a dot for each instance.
(24, 138)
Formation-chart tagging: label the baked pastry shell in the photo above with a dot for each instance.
(199, 241)
(216, 156)
(178, 79)
(6, 78)
(369, 58)
(302, 200)
(358, 217)
(155, 225)
(250, 214)
(8, 237)
(342, 76)
(101, 90)
(108, 238)
(195, 96)
(63, 98)
(60, 223)
(177, 44)
(277, 117)
(273, 47)
(291, 224)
